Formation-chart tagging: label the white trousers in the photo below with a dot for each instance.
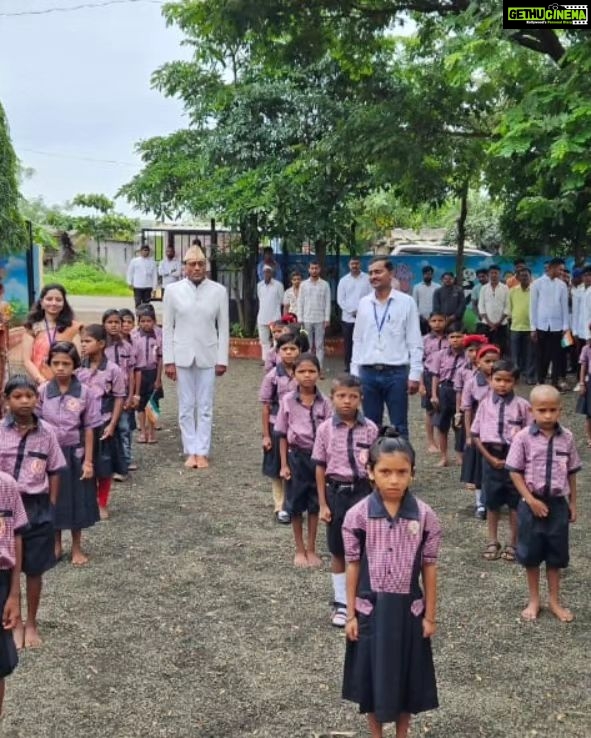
(315, 333)
(195, 389)
(264, 339)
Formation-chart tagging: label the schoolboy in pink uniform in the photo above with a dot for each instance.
(433, 342)
(13, 521)
(340, 453)
(30, 453)
(500, 415)
(543, 463)
(148, 354)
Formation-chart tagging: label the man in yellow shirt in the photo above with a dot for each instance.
(522, 348)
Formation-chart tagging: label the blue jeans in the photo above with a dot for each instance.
(124, 433)
(523, 354)
(387, 386)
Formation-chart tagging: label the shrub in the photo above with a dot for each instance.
(88, 279)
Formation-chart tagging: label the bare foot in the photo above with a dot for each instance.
(442, 463)
(561, 613)
(300, 561)
(79, 559)
(18, 635)
(433, 449)
(103, 513)
(191, 462)
(531, 612)
(32, 637)
(313, 559)
(58, 553)
(202, 462)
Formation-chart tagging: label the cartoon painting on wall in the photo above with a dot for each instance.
(14, 289)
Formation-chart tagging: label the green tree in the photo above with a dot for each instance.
(13, 234)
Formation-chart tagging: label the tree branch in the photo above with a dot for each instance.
(542, 40)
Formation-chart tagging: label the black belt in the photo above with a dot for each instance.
(497, 448)
(383, 367)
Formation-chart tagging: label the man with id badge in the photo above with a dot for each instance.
(387, 348)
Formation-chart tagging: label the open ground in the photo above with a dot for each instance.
(191, 621)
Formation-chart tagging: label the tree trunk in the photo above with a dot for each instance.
(461, 222)
(249, 233)
(320, 251)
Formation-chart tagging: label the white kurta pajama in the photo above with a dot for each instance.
(196, 337)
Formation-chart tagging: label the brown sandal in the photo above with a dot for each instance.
(492, 551)
(508, 553)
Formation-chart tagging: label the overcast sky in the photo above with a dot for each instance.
(76, 86)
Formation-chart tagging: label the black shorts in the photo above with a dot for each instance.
(426, 403)
(8, 654)
(39, 536)
(498, 488)
(447, 407)
(340, 498)
(148, 379)
(301, 494)
(543, 539)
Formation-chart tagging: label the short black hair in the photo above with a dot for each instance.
(494, 268)
(111, 312)
(19, 382)
(65, 347)
(196, 242)
(434, 313)
(482, 270)
(448, 274)
(556, 261)
(456, 327)
(346, 380)
(526, 269)
(307, 356)
(96, 331)
(504, 365)
(126, 313)
(385, 259)
(390, 441)
(428, 268)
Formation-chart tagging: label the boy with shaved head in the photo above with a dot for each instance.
(543, 463)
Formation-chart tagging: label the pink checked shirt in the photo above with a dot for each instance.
(12, 520)
(585, 358)
(344, 450)
(272, 360)
(122, 353)
(298, 423)
(69, 414)
(447, 363)
(106, 382)
(391, 544)
(464, 375)
(474, 391)
(545, 462)
(29, 459)
(148, 349)
(432, 343)
(499, 419)
(275, 385)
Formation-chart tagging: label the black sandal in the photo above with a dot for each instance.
(492, 551)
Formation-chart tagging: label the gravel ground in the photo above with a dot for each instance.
(190, 620)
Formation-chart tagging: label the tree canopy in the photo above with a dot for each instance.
(13, 234)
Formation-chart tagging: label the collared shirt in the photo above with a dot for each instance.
(498, 419)
(548, 304)
(272, 360)
(493, 302)
(422, 294)
(519, 304)
(270, 297)
(388, 333)
(585, 358)
(106, 382)
(464, 375)
(290, 301)
(449, 300)
(343, 449)
(277, 274)
(123, 354)
(275, 385)
(475, 293)
(298, 423)
(70, 413)
(577, 322)
(170, 270)
(142, 273)
(31, 458)
(13, 520)
(474, 391)
(349, 291)
(432, 343)
(148, 349)
(390, 545)
(546, 462)
(447, 363)
(314, 301)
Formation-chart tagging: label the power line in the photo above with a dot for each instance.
(82, 6)
(78, 158)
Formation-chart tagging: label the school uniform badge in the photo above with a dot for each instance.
(72, 405)
(414, 527)
(37, 466)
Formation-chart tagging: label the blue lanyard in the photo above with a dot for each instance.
(380, 324)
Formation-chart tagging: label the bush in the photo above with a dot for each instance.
(88, 279)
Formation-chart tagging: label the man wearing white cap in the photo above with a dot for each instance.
(195, 346)
(270, 296)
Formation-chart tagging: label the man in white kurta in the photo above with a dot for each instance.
(195, 346)
(270, 297)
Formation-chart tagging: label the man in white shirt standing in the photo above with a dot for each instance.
(195, 347)
(314, 310)
(387, 348)
(422, 294)
(549, 318)
(351, 288)
(169, 269)
(493, 309)
(270, 297)
(142, 276)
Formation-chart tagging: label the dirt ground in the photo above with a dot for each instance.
(191, 621)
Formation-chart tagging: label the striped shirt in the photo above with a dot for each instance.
(343, 449)
(314, 301)
(498, 419)
(13, 520)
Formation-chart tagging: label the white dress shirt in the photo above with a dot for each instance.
(549, 304)
(493, 302)
(423, 295)
(290, 301)
(314, 301)
(577, 321)
(142, 273)
(170, 270)
(398, 343)
(270, 296)
(349, 291)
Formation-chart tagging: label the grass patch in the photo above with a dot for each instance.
(88, 279)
